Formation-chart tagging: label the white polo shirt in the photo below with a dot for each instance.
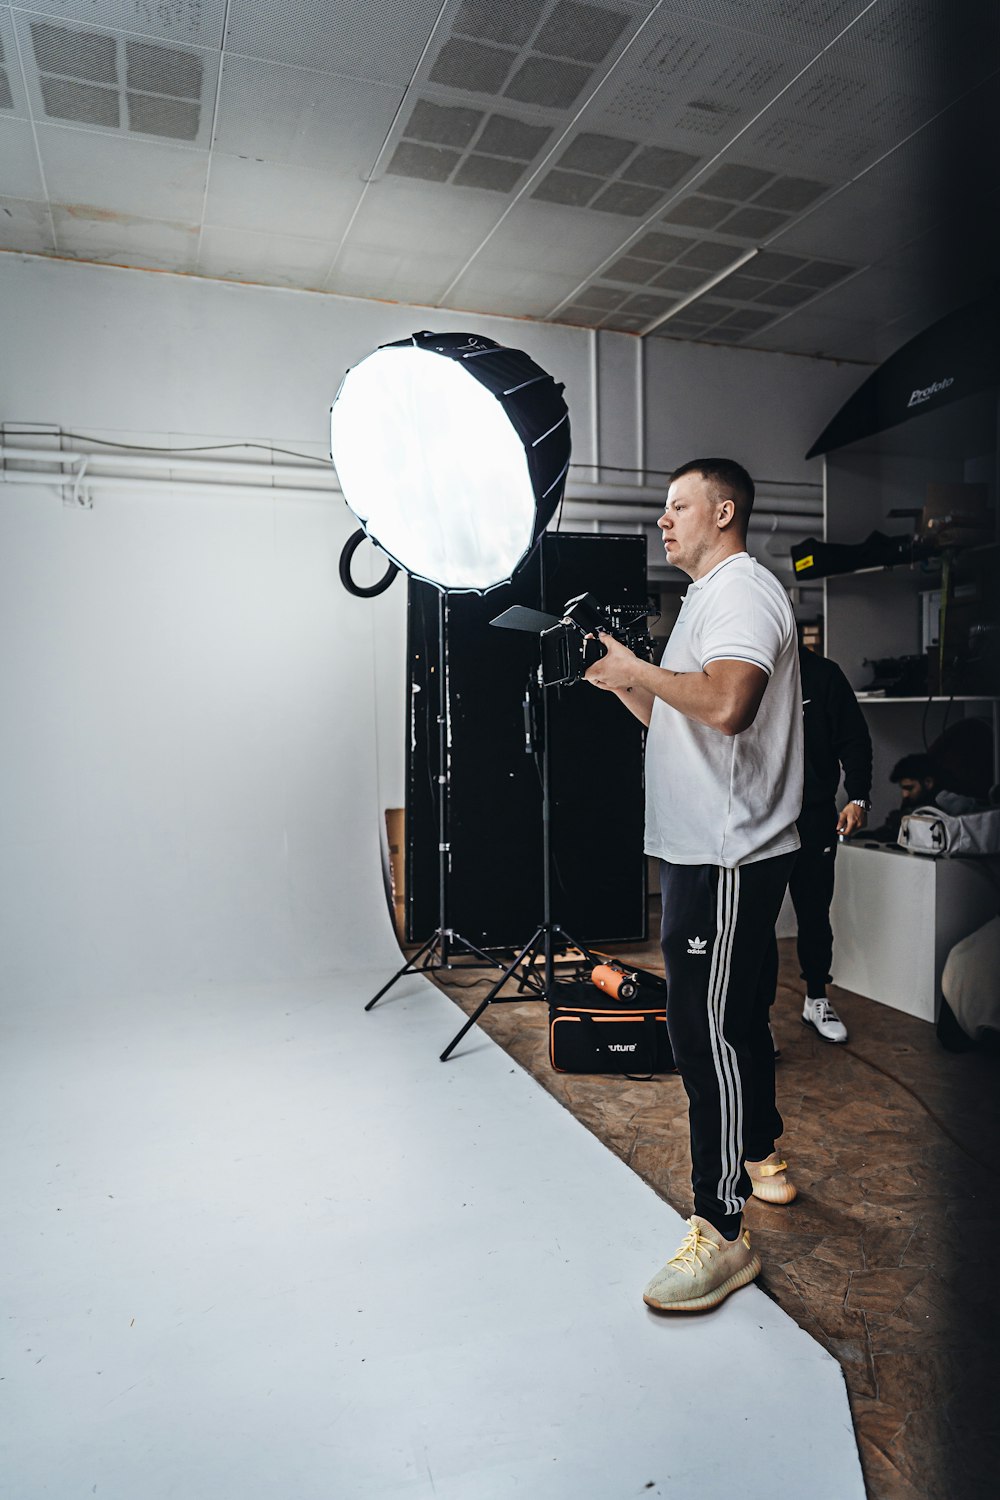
(717, 799)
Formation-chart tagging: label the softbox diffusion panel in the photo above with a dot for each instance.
(495, 818)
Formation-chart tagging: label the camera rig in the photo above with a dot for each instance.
(570, 643)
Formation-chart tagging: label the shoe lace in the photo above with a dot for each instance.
(770, 1168)
(688, 1256)
(825, 1011)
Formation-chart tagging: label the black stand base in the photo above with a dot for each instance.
(541, 945)
(436, 953)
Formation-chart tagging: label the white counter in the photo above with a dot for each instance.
(895, 917)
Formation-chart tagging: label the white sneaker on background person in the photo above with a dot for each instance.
(821, 1014)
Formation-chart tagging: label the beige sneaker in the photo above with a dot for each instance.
(770, 1180)
(704, 1271)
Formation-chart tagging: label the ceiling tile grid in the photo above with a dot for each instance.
(553, 239)
(111, 174)
(127, 241)
(407, 221)
(377, 40)
(812, 23)
(117, 82)
(830, 338)
(486, 105)
(276, 113)
(274, 259)
(194, 23)
(415, 274)
(13, 99)
(20, 174)
(262, 196)
(532, 291)
(590, 161)
(26, 225)
(693, 86)
(444, 139)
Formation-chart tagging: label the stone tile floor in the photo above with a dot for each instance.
(889, 1257)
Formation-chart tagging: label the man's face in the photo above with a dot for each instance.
(689, 524)
(914, 791)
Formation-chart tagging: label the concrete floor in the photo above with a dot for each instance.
(260, 1243)
(887, 1255)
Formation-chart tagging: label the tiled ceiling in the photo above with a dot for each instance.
(814, 176)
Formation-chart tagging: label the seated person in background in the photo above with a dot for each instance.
(919, 780)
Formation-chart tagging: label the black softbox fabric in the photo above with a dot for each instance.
(955, 358)
(495, 826)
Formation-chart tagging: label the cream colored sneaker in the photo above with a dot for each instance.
(704, 1271)
(770, 1180)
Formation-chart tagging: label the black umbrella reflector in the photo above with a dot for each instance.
(452, 451)
(955, 358)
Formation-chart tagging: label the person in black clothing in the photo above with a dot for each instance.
(836, 739)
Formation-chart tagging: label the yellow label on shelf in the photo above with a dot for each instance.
(804, 562)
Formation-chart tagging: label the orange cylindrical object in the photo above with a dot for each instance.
(614, 982)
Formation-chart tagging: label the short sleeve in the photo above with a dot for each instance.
(743, 624)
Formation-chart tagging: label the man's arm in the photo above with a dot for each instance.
(636, 700)
(849, 734)
(725, 696)
(853, 747)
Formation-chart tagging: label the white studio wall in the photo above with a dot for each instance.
(201, 728)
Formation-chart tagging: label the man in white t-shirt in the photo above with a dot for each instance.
(723, 792)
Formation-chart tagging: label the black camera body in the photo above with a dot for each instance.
(571, 646)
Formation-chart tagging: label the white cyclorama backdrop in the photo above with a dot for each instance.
(201, 728)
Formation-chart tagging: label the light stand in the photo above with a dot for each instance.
(549, 934)
(452, 451)
(437, 952)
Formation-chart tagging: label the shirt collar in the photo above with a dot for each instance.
(699, 583)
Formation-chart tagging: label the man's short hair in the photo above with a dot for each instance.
(914, 767)
(729, 478)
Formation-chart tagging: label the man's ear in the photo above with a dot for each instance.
(727, 511)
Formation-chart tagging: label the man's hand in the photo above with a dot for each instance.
(852, 819)
(614, 672)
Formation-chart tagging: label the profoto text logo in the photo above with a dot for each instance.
(931, 390)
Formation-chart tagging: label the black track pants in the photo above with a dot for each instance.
(721, 962)
(810, 886)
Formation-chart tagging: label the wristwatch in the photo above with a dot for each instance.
(863, 803)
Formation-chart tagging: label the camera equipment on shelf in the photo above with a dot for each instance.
(570, 644)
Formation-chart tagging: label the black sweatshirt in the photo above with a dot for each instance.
(835, 733)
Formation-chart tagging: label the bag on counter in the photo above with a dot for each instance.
(931, 830)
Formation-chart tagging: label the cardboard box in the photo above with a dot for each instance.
(395, 832)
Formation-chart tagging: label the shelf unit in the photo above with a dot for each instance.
(895, 916)
(875, 612)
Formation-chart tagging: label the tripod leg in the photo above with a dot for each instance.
(528, 947)
(571, 942)
(408, 968)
